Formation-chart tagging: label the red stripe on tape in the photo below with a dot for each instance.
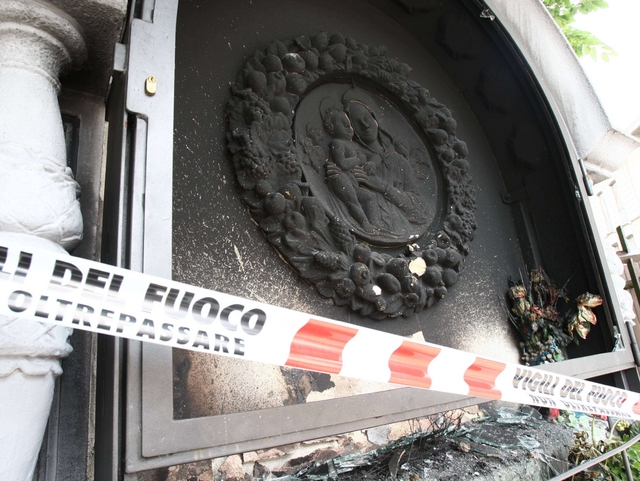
(481, 377)
(318, 346)
(409, 364)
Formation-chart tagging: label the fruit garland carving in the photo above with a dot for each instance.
(269, 163)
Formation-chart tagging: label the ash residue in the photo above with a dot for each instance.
(507, 443)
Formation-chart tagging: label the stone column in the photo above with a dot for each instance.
(38, 206)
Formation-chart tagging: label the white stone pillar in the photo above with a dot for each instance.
(38, 206)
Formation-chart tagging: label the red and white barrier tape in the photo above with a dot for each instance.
(82, 294)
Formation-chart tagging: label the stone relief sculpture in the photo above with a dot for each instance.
(354, 173)
(345, 171)
(402, 209)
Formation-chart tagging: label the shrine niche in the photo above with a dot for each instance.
(354, 173)
(184, 406)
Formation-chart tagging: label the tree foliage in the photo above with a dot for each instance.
(583, 43)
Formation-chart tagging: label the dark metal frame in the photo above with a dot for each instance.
(141, 240)
(630, 258)
(67, 448)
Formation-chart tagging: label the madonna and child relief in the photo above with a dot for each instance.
(367, 164)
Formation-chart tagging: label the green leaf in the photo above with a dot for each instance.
(582, 42)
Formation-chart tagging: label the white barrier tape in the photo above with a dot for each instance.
(82, 294)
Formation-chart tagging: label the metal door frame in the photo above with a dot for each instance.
(152, 438)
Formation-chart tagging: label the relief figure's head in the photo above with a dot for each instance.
(364, 122)
(337, 124)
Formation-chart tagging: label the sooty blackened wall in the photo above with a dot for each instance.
(525, 213)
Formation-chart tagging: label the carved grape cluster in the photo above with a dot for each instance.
(250, 160)
(318, 245)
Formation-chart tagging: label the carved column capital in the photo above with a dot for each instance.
(40, 37)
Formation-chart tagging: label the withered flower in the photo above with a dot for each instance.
(536, 276)
(554, 293)
(530, 316)
(580, 328)
(551, 314)
(546, 331)
(581, 321)
(518, 291)
(520, 306)
(589, 300)
(587, 315)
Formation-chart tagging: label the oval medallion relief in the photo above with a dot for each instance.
(354, 173)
